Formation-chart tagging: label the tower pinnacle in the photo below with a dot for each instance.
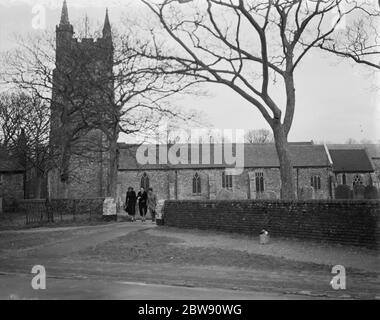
(64, 15)
(107, 27)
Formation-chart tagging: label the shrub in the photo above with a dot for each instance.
(370, 192)
(343, 191)
(359, 191)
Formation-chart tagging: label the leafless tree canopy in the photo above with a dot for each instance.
(250, 47)
(358, 39)
(259, 136)
(134, 103)
(24, 132)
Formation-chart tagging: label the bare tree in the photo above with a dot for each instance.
(244, 45)
(358, 40)
(11, 117)
(366, 141)
(25, 126)
(130, 100)
(180, 131)
(259, 136)
(351, 141)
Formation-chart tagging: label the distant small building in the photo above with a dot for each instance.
(12, 179)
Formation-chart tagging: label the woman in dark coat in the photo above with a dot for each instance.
(142, 198)
(130, 203)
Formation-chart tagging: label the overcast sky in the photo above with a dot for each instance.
(336, 99)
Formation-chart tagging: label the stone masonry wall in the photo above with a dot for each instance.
(88, 179)
(177, 184)
(11, 188)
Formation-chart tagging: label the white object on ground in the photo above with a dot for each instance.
(109, 207)
(264, 237)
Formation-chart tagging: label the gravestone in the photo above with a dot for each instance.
(307, 193)
(343, 191)
(109, 209)
(262, 196)
(271, 195)
(160, 205)
(224, 195)
(370, 192)
(359, 192)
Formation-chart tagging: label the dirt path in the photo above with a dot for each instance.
(302, 251)
(89, 237)
(55, 229)
(62, 257)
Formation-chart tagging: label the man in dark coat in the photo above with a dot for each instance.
(130, 203)
(142, 198)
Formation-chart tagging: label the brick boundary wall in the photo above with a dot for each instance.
(350, 222)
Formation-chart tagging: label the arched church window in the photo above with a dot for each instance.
(144, 181)
(259, 180)
(197, 184)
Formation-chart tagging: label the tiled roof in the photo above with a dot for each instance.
(373, 149)
(255, 156)
(350, 160)
(9, 163)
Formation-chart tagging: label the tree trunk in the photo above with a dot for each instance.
(113, 168)
(65, 167)
(286, 167)
(40, 176)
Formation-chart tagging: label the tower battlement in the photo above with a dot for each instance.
(69, 46)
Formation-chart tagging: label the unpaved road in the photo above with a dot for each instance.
(70, 277)
(18, 287)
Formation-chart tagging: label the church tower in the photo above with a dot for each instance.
(81, 109)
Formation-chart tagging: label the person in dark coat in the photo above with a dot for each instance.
(142, 198)
(130, 203)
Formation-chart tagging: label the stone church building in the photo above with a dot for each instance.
(78, 99)
(260, 178)
(318, 170)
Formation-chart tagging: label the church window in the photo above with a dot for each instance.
(144, 181)
(344, 178)
(259, 180)
(316, 182)
(196, 184)
(357, 180)
(226, 181)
